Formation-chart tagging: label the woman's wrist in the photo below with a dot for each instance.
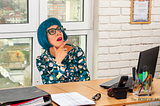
(58, 62)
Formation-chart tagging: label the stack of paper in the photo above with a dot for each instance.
(71, 99)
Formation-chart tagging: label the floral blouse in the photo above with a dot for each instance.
(72, 69)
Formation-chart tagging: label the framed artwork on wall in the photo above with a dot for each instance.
(140, 12)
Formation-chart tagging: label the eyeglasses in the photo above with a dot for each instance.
(96, 97)
(52, 31)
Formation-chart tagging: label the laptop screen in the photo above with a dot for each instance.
(149, 59)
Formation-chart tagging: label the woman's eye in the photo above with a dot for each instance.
(52, 31)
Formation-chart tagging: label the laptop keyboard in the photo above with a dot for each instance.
(128, 84)
(115, 85)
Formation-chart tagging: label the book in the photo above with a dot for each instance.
(24, 95)
(71, 99)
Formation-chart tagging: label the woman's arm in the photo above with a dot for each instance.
(51, 71)
(82, 65)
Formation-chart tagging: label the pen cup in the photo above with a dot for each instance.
(143, 88)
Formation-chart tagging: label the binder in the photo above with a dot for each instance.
(23, 95)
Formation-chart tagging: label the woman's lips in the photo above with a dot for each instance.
(59, 39)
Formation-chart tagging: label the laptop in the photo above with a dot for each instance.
(148, 58)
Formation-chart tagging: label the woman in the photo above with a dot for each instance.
(60, 62)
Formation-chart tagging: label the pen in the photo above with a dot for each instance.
(133, 72)
(142, 83)
(141, 88)
(144, 72)
(140, 75)
(146, 82)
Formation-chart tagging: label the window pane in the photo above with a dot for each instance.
(78, 40)
(65, 10)
(13, 11)
(15, 62)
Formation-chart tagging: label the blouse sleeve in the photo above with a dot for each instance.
(51, 71)
(82, 66)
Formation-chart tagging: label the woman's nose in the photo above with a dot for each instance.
(58, 31)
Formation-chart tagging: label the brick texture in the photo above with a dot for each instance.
(121, 42)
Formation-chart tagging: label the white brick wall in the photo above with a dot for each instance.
(121, 34)
(104, 35)
(126, 11)
(109, 27)
(104, 3)
(109, 42)
(131, 27)
(120, 42)
(119, 19)
(119, 4)
(109, 11)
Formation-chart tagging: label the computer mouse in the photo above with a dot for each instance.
(110, 92)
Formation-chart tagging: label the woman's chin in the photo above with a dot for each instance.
(57, 46)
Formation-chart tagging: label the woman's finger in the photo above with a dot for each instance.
(64, 43)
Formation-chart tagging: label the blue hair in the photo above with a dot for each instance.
(42, 34)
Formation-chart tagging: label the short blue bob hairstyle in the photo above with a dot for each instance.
(42, 34)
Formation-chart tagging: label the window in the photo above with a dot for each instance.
(17, 60)
(18, 36)
(18, 15)
(80, 19)
(66, 10)
(18, 43)
(83, 39)
(13, 11)
(78, 40)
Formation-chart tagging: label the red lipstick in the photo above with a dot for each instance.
(59, 39)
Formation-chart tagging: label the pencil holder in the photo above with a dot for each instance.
(142, 87)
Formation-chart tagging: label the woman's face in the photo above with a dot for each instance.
(55, 36)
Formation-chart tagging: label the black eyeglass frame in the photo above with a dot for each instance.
(61, 29)
(96, 97)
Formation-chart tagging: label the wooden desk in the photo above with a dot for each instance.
(90, 88)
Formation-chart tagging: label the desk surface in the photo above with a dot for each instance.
(90, 88)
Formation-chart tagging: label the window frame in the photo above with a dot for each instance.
(32, 17)
(35, 75)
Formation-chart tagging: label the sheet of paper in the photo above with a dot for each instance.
(141, 10)
(71, 99)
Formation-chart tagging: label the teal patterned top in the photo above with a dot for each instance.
(72, 69)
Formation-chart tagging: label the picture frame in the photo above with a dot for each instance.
(140, 12)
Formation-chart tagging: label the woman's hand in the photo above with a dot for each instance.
(60, 53)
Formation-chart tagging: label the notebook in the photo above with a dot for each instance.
(148, 58)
